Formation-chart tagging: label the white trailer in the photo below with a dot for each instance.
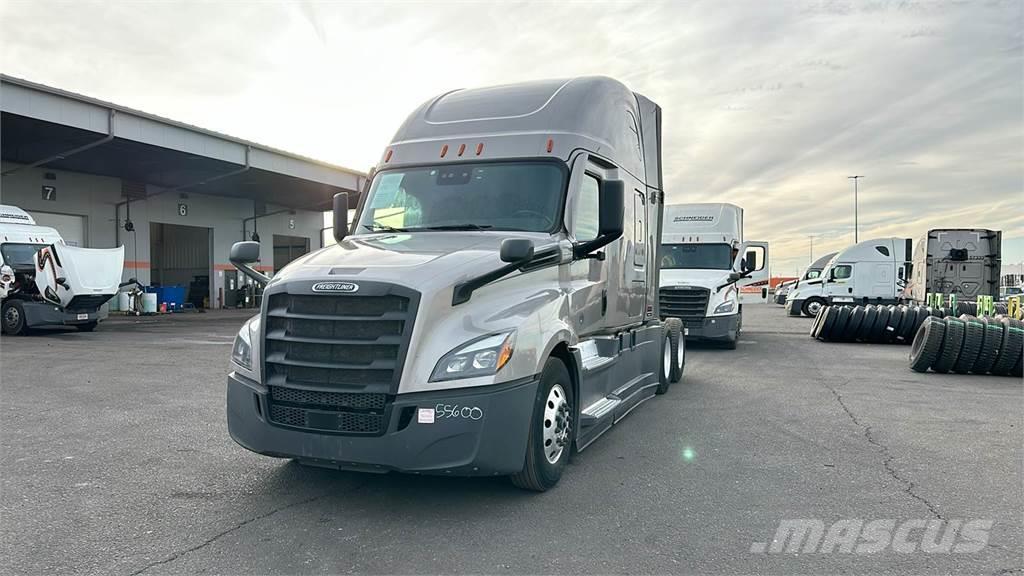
(704, 263)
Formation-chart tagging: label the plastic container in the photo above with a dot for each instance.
(149, 303)
(124, 302)
(174, 296)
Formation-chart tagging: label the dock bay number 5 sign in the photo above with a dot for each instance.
(182, 209)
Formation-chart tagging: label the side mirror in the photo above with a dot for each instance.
(611, 209)
(516, 250)
(244, 252)
(735, 276)
(242, 255)
(340, 216)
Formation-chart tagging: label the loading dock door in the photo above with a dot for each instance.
(71, 228)
(288, 248)
(180, 256)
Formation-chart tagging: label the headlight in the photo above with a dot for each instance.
(480, 357)
(725, 307)
(241, 352)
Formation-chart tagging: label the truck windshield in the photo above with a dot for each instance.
(18, 255)
(696, 256)
(519, 196)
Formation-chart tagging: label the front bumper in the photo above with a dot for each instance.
(714, 328)
(794, 307)
(43, 314)
(475, 431)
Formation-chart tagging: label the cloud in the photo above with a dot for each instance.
(769, 105)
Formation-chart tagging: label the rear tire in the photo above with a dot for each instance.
(678, 343)
(551, 430)
(12, 318)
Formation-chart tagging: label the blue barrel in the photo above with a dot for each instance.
(174, 296)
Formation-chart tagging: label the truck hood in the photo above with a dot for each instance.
(92, 275)
(706, 278)
(407, 258)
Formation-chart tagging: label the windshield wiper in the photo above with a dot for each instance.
(383, 228)
(454, 227)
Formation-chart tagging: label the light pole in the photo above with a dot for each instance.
(854, 178)
(811, 238)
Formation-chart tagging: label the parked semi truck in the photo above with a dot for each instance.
(45, 282)
(959, 261)
(962, 261)
(493, 305)
(870, 272)
(705, 262)
(813, 271)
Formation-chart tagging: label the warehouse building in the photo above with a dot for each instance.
(176, 196)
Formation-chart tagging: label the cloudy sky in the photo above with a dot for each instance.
(769, 105)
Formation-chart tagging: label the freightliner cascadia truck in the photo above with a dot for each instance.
(704, 263)
(492, 307)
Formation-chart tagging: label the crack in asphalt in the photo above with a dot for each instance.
(888, 459)
(174, 556)
(887, 462)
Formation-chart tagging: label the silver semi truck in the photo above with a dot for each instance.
(492, 307)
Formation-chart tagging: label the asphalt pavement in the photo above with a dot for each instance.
(116, 460)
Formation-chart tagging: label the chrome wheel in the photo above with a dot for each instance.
(680, 356)
(667, 360)
(813, 307)
(557, 424)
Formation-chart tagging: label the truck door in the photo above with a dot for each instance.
(638, 281)
(590, 302)
(755, 253)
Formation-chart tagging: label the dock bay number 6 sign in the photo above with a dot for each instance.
(182, 209)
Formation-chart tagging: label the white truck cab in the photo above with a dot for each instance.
(871, 272)
(45, 282)
(704, 263)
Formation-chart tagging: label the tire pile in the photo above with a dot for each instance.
(882, 324)
(968, 344)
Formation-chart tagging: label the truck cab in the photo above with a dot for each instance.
(704, 263)
(492, 306)
(871, 272)
(45, 282)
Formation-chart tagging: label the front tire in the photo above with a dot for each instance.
(551, 430)
(674, 326)
(811, 306)
(12, 318)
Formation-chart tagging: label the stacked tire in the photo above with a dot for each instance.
(878, 324)
(968, 344)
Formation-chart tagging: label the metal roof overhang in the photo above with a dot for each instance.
(50, 128)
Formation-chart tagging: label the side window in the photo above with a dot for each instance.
(813, 274)
(585, 217)
(882, 250)
(843, 272)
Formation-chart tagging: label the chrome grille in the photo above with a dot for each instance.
(687, 304)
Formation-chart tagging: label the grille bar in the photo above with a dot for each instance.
(687, 304)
